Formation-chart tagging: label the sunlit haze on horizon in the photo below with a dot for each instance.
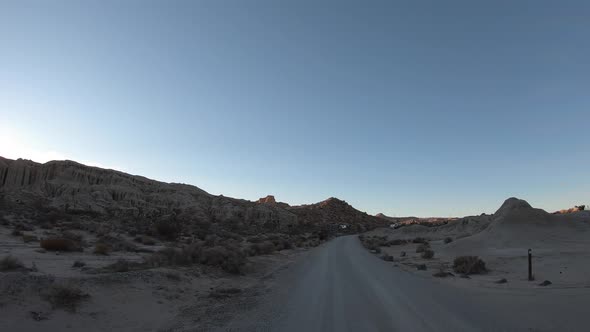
(405, 108)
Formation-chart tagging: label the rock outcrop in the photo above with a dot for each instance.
(270, 199)
(334, 211)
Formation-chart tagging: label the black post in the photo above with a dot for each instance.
(530, 266)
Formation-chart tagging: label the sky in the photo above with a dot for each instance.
(425, 108)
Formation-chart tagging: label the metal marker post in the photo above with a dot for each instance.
(530, 265)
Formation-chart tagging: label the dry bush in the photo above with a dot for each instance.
(75, 237)
(29, 238)
(448, 240)
(10, 263)
(228, 257)
(469, 265)
(442, 273)
(78, 264)
(59, 244)
(422, 247)
(102, 249)
(146, 240)
(419, 240)
(397, 242)
(120, 265)
(374, 242)
(224, 292)
(387, 258)
(173, 276)
(263, 248)
(168, 230)
(65, 296)
(116, 243)
(428, 253)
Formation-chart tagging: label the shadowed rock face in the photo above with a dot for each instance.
(70, 186)
(67, 185)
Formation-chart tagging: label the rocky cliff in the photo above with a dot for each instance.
(70, 186)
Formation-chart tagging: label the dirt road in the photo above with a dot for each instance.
(342, 287)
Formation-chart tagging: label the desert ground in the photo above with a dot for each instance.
(63, 290)
(559, 243)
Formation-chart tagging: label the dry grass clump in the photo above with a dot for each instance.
(374, 243)
(220, 293)
(397, 242)
(387, 258)
(469, 265)
(78, 264)
(102, 249)
(116, 243)
(10, 263)
(120, 265)
(227, 256)
(427, 253)
(29, 238)
(262, 248)
(67, 297)
(420, 240)
(422, 247)
(167, 229)
(146, 240)
(59, 244)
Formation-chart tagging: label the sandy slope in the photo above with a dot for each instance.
(560, 245)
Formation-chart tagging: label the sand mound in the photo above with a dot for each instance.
(518, 225)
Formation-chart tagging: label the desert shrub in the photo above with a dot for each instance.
(168, 230)
(263, 248)
(419, 240)
(256, 239)
(224, 292)
(387, 258)
(428, 253)
(421, 267)
(72, 236)
(442, 273)
(229, 258)
(422, 247)
(117, 243)
(65, 296)
(101, 249)
(59, 244)
(173, 276)
(16, 232)
(10, 263)
(448, 240)
(144, 239)
(78, 264)
(397, 242)
(29, 238)
(376, 250)
(120, 265)
(469, 265)
(402, 254)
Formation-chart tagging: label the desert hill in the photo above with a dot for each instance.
(71, 187)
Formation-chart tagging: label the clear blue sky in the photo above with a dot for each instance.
(429, 108)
